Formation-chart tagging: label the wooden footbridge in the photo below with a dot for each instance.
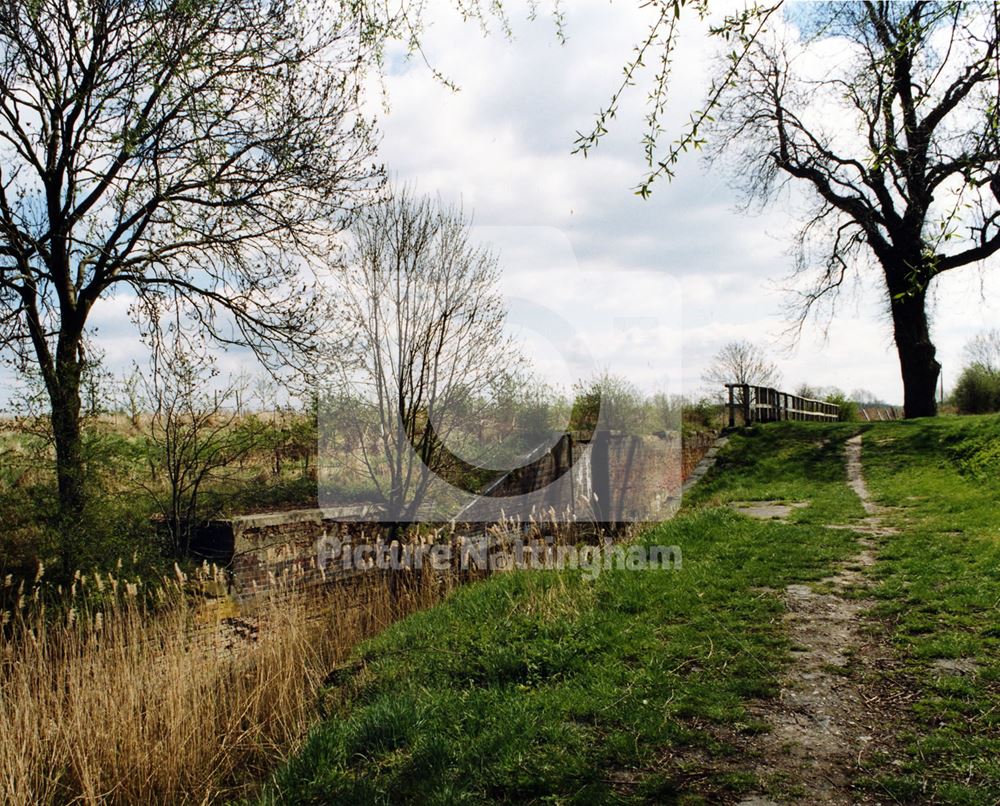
(762, 404)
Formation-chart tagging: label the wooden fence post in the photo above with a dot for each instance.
(600, 474)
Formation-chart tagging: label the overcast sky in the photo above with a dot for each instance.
(650, 288)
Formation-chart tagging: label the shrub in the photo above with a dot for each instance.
(977, 390)
(848, 408)
(702, 415)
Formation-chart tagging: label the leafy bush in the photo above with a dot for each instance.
(609, 402)
(977, 390)
(701, 416)
(848, 408)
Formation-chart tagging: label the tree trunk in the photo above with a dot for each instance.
(64, 395)
(920, 369)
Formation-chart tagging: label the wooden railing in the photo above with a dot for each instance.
(875, 413)
(762, 404)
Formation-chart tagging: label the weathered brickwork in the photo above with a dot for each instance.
(617, 477)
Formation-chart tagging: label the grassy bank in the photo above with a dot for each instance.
(546, 687)
(939, 594)
(628, 688)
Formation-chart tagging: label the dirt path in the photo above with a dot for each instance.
(827, 717)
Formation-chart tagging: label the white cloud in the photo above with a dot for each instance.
(502, 145)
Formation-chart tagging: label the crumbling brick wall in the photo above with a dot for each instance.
(643, 473)
(263, 549)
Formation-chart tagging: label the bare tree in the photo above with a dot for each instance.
(183, 152)
(130, 389)
(194, 435)
(96, 384)
(740, 362)
(865, 397)
(422, 341)
(897, 140)
(984, 350)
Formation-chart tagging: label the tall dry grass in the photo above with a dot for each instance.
(112, 692)
(111, 700)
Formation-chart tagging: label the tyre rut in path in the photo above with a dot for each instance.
(826, 718)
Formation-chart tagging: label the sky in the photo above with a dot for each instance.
(502, 146)
(647, 288)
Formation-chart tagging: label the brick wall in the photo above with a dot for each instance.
(264, 548)
(641, 478)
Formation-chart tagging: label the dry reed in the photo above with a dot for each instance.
(114, 701)
(112, 693)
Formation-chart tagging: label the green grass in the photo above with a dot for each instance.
(124, 497)
(789, 461)
(547, 687)
(939, 592)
